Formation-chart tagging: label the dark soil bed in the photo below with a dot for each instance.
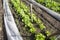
(23, 31)
(50, 22)
(2, 27)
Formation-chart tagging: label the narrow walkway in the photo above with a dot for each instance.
(2, 29)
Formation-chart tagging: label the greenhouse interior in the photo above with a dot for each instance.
(29, 19)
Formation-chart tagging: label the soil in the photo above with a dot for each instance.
(24, 33)
(2, 28)
(51, 23)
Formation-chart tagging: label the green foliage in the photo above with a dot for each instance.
(53, 38)
(40, 1)
(32, 30)
(42, 26)
(23, 11)
(48, 33)
(33, 16)
(25, 18)
(50, 4)
(40, 36)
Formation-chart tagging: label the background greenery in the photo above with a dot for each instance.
(57, 1)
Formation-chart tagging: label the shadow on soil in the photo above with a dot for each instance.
(4, 30)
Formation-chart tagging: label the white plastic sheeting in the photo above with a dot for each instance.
(58, 37)
(52, 13)
(11, 28)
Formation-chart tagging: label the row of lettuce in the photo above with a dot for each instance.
(51, 4)
(23, 11)
(57, 1)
